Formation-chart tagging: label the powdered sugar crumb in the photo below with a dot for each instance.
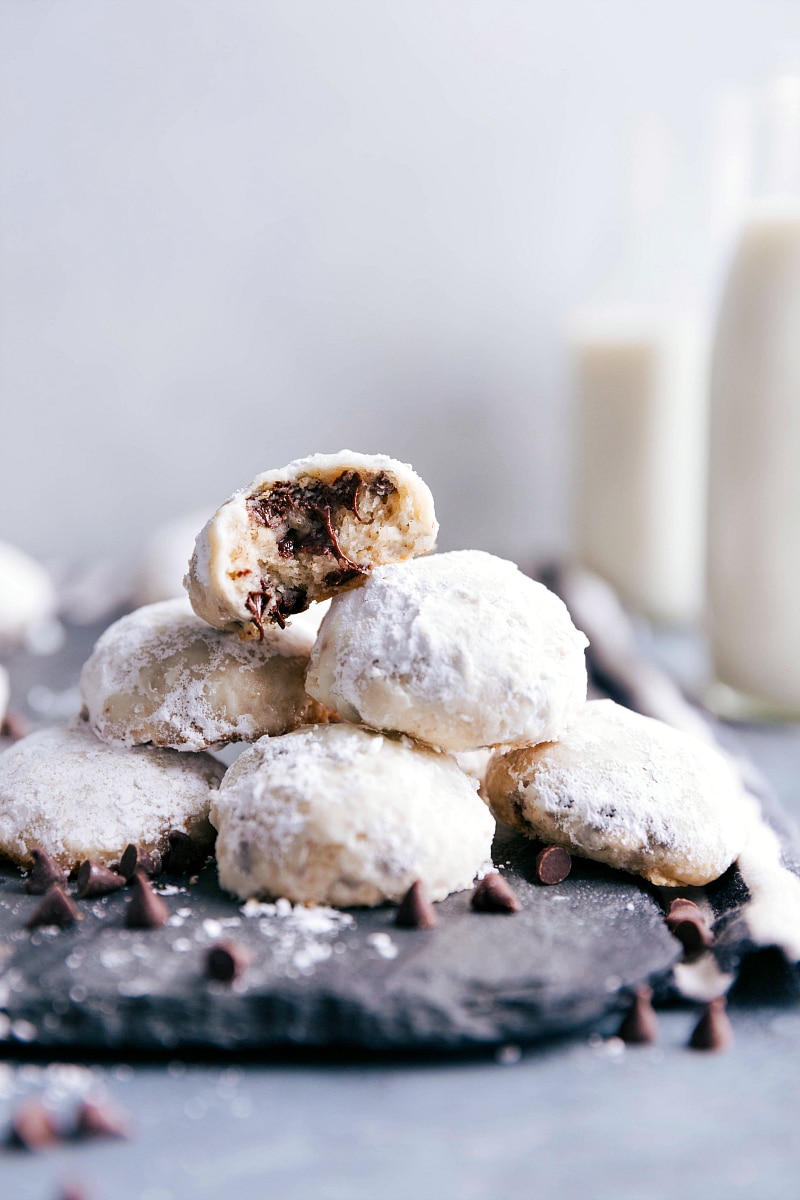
(383, 944)
(299, 937)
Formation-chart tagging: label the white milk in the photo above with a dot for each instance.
(754, 481)
(639, 491)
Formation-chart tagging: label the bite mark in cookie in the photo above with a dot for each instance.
(304, 533)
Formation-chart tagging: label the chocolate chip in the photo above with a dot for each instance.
(136, 859)
(73, 1191)
(96, 880)
(304, 514)
(553, 864)
(679, 905)
(416, 910)
(55, 908)
(33, 1128)
(185, 856)
(99, 1121)
(493, 894)
(713, 1031)
(145, 909)
(690, 928)
(227, 961)
(341, 576)
(44, 873)
(382, 485)
(14, 726)
(640, 1026)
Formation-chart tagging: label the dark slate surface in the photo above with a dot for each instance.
(571, 955)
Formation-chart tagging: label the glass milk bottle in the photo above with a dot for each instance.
(638, 376)
(754, 455)
(640, 457)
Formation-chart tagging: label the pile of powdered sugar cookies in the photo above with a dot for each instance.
(365, 670)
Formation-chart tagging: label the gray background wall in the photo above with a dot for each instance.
(237, 231)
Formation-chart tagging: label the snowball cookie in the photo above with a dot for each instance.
(77, 798)
(334, 814)
(27, 595)
(162, 675)
(628, 791)
(303, 533)
(461, 650)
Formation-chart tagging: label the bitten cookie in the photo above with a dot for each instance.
(628, 791)
(460, 650)
(77, 798)
(162, 675)
(303, 533)
(334, 814)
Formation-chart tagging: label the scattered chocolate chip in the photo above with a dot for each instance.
(33, 1128)
(227, 961)
(713, 1031)
(55, 908)
(43, 874)
(553, 864)
(145, 909)
(72, 1191)
(96, 880)
(494, 894)
(135, 859)
(679, 905)
(416, 910)
(99, 1121)
(640, 1026)
(14, 726)
(185, 856)
(690, 928)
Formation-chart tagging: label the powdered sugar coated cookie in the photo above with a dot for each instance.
(335, 814)
(460, 650)
(628, 791)
(162, 675)
(77, 798)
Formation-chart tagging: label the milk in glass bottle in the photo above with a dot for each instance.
(754, 455)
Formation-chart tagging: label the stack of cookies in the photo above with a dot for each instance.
(363, 714)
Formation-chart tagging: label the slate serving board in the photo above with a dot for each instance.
(321, 979)
(568, 960)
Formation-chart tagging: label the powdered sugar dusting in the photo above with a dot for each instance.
(162, 674)
(773, 910)
(383, 944)
(77, 798)
(299, 937)
(343, 815)
(460, 649)
(629, 791)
